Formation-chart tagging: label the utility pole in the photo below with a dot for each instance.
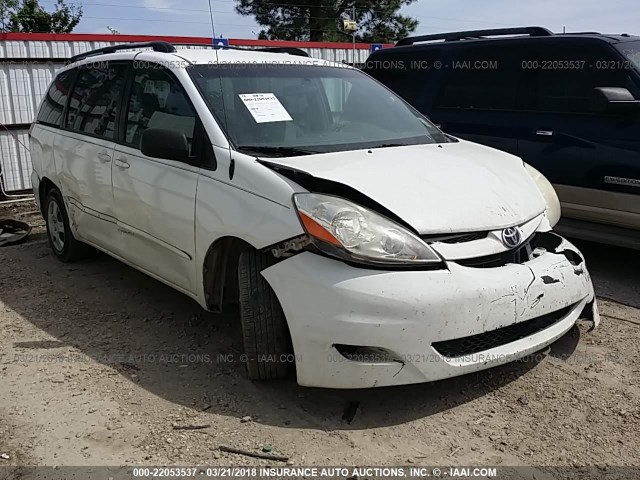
(351, 27)
(353, 17)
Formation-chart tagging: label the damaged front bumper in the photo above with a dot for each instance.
(357, 328)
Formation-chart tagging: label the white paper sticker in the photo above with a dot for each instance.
(265, 107)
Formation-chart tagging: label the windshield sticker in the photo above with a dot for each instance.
(265, 107)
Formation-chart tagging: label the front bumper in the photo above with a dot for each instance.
(328, 303)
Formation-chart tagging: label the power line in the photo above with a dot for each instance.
(157, 20)
(193, 22)
(197, 10)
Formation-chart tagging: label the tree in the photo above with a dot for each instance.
(31, 17)
(321, 20)
(6, 8)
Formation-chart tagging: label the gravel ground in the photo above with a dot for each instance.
(99, 364)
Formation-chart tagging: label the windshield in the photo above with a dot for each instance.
(284, 110)
(631, 51)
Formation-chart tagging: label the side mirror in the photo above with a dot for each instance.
(613, 100)
(164, 143)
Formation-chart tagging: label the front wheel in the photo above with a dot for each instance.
(267, 344)
(61, 240)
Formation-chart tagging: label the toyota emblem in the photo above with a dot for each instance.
(511, 237)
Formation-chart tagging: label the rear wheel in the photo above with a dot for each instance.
(61, 240)
(265, 334)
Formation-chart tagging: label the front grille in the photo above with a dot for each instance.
(495, 338)
(455, 237)
(518, 255)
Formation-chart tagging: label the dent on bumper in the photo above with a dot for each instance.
(327, 302)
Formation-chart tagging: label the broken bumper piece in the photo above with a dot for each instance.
(357, 328)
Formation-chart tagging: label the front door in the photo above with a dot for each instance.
(593, 159)
(155, 198)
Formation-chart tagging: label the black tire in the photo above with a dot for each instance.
(70, 249)
(265, 334)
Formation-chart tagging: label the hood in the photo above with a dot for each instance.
(447, 188)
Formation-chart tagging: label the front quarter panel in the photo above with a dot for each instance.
(254, 205)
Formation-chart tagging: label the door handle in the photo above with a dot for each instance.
(121, 162)
(104, 156)
(544, 133)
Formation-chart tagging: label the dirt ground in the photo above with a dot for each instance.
(99, 364)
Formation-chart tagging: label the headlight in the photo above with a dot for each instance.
(549, 194)
(351, 232)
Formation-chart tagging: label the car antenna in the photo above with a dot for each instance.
(213, 27)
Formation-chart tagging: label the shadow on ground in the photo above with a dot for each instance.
(614, 271)
(175, 350)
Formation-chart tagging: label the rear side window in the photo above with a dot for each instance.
(408, 74)
(54, 101)
(482, 78)
(94, 101)
(157, 101)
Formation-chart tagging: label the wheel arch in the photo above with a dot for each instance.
(43, 190)
(220, 270)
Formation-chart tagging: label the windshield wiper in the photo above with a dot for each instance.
(275, 151)
(398, 144)
(390, 145)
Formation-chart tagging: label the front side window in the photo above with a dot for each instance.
(308, 109)
(631, 52)
(55, 99)
(94, 101)
(157, 101)
(563, 77)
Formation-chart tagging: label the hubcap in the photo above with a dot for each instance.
(56, 226)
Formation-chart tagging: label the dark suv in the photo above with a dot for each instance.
(568, 104)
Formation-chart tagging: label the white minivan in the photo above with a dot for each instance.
(366, 247)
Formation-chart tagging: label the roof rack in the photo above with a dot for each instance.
(164, 47)
(290, 50)
(454, 36)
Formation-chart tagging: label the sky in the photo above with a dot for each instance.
(191, 17)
